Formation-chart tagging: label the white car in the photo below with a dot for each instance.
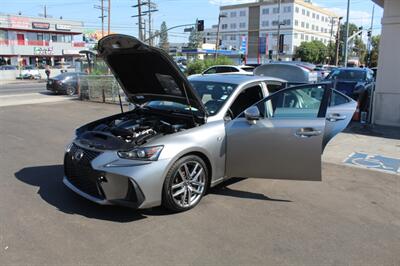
(229, 69)
(30, 72)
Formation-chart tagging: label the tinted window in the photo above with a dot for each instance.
(212, 70)
(245, 99)
(303, 102)
(226, 69)
(350, 75)
(213, 94)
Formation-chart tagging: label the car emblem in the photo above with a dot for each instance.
(78, 155)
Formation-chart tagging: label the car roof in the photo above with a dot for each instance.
(353, 68)
(223, 66)
(232, 78)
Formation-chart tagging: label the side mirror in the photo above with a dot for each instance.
(252, 114)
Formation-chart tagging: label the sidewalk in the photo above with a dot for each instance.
(21, 81)
(371, 140)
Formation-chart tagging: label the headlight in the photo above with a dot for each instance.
(145, 153)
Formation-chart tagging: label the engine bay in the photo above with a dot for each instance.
(129, 130)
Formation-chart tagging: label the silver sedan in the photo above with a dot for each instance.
(187, 135)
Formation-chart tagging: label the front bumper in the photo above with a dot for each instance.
(96, 185)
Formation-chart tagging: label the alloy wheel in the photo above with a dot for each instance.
(188, 184)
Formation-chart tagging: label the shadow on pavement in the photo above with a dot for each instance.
(373, 130)
(223, 190)
(52, 190)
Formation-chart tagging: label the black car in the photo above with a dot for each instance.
(66, 83)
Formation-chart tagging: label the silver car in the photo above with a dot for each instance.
(185, 136)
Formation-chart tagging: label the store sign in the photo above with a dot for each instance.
(19, 22)
(43, 51)
(63, 27)
(243, 45)
(70, 52)
(41, 25)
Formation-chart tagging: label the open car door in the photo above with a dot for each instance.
(281, 137)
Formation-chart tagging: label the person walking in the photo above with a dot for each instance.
(47, 71)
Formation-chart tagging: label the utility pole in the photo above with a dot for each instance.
(109, 16)
(337, 42)
(279, 30)
(370, 37)
(102, 8)
(139, 16)
(330, 41)
(347, 33)
(149, 9)
(45, 11)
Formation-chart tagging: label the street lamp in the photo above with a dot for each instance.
(217, 39)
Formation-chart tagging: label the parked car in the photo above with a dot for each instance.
(185, 136)
(294, 74)
(65, 83)
(30, 72)
(228, 69)
(8, 67)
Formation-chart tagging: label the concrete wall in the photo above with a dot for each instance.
(387, 94)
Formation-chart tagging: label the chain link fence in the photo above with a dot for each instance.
(100, 88)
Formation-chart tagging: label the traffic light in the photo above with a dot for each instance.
(270, 54)
(360, 29)
(200, 25)
(369, 33)
(281, 42)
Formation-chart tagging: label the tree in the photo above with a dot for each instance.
(313, 52)
(356, 47)
(195, 39)
(163, 43)
(198, 66)
(374, 53)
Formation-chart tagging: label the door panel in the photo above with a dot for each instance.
(286, 142)
(338, 115)
(21, 39)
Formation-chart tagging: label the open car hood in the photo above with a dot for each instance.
(147, 73)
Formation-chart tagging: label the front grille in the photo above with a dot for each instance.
(80, 173)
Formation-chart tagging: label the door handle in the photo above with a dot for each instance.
(307, 132)
(335, 117)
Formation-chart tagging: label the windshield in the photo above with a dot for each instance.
(349, 75)
(213, 94)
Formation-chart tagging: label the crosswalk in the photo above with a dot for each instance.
(30, 98)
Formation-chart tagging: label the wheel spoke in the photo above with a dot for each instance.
(177, 185)
(183, 198)
(195, 178)
(186, 171)
(196, 183)
(179, 192)
(194, 170)
(195, 191)
(182, 174)
(189, 192)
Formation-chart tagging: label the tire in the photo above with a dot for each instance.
(178, 189)
(70, 91)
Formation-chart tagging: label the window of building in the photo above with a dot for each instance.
(312, 27)
(317, 16)
(224, 26)
(3, 35)
(39, 37)
(322, 29)
(68, 38)
(287, 9)
(233, 14)
(60, 38)
(242, 13)
(297, 9)
(242, 25)
(302, 24)
(274, 23)
(275, 10)
(326, 30)
(303, 11)
(296, 22)
(233, 38)
(54, 37)
(46, 37)
(295, 35)
(307, 25)
(233, 25)
(308, 13)
(224, 37)
(265, 23)
(302, 36)
(286, 22)
(265, 11)
(312, 38)
(322, 18)
(306, 37)
(313, 15)
(316, 28)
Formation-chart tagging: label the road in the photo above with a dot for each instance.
(351, 218)
(27, 92)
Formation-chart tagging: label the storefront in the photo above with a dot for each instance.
(39, 41)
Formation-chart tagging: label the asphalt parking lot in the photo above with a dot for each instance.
(351, 218)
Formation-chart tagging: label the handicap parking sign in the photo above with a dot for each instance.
(377, 162)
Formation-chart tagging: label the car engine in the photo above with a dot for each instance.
(128, 131)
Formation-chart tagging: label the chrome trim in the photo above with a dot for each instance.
(83, 194)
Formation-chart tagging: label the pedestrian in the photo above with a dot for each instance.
(47, 71)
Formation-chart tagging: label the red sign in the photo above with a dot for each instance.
(41, 25)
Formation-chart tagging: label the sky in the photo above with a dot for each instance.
(174, 12)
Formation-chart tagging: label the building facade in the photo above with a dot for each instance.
(39, 41)
(210, 34)
(256, 26)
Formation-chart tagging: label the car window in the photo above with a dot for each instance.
(248, 69)
(350, 75)
(293, 103)
(338, 99)
(213, 94)
(212, 70)
(226, 69)
(245, 99)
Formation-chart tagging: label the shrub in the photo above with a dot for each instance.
(198, 66)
